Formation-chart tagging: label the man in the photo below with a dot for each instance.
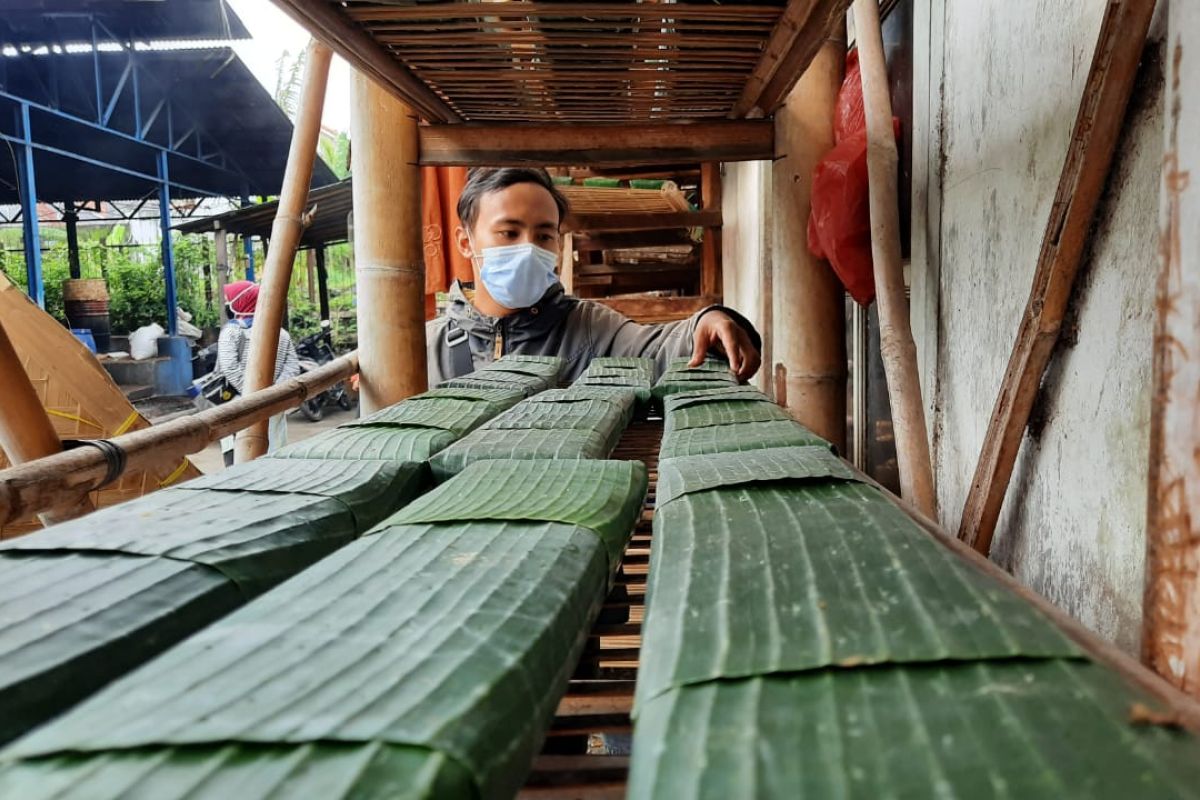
(510, 230)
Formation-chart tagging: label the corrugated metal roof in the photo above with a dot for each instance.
(330, 205)
(41, 22)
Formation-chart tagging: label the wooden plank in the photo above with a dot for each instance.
(1171, 622)
(1085, 170)
(642, 221)
(327, 24)
(642, 11)
(657, 309)
(794, 43)
(616, 145)
(631, 239)
(567, 270)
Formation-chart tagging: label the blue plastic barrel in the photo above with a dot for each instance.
(85, 335)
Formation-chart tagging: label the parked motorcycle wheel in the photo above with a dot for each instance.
(313, 409)
(345, 401)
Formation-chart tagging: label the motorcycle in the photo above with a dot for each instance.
(313, 351)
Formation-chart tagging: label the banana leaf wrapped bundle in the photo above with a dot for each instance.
(679, 377)
(424, 660)
(566, 425)
(412, 430)
(528, 374)
(631, 372)
(83, 602)
(805, 638)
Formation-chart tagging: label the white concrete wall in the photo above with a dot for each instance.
(995, 101)
(745, 244)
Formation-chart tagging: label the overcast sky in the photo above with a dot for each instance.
(274, 32)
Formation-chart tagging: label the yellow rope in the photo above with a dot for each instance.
(75, 418)
(127, 424)
(174, 476)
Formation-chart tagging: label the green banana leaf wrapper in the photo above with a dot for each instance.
(122, 584)
(497, 378)
(374, 443)
(994, 729)
(548, 367)
(567, 427)
(791, 564)
(425, 660)
(459, 411)
(737, 438)
(621, 397)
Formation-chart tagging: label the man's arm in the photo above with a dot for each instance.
(714, 329)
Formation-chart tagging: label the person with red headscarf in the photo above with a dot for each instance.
(233, 350)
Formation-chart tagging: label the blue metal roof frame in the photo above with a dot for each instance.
(222, 131)
(35, 23)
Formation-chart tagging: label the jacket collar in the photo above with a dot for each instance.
(527, 324)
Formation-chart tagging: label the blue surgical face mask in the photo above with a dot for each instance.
(517, 275)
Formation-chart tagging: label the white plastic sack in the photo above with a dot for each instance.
(184, 326)
(143, 343)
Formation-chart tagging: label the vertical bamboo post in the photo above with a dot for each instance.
(388, 260)
(711, 280)
(221, 249)
(897, 347)
(310, 274)
(26, 433)
(285, 236)
(809, 304)
(1171, 615)
(566, 274)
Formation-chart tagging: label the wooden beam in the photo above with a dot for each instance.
(388, 260)
(1089, 156)
(596, 145)
(711, 281)
(895, 336)
(798, 35)
(360, 49)
(657, 309)
(567, 270)
(641, 221)
(632, 239)
(285, 237)
(1171, 613)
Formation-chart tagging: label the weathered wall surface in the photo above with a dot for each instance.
(1011, 75)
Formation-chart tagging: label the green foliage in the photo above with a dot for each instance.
(334, 150)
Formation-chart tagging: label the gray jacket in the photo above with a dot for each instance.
(560, 325)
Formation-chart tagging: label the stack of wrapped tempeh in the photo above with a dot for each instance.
(623, 371)
(805, 639)
(424, 660)
(84, 602)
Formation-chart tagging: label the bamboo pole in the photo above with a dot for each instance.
(221, 249)
(57, 480)
(897, 347)
(26, 433)
(285, 236)
(388, 259)
(809, 304)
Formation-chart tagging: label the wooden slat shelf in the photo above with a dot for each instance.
(600, 696)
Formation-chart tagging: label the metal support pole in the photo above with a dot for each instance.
(248, 243)
(168, 250)
(27, 178)
(322, 282)
(71, 217)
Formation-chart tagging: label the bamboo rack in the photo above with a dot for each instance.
(57, 480)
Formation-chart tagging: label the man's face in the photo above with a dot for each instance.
(519, 214)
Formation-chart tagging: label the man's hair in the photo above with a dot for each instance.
(484, 180)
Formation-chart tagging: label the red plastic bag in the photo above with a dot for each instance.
(839, 228)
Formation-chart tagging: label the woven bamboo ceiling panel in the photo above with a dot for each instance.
(565, 61)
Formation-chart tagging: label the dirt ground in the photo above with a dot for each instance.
(298, 429)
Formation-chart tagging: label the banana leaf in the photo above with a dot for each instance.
(738, 438)
(805, 572)
(486, 445)
(1008, 729)
(602, 496)
(405, 444)
(446, 409)
(678, 365)
(580, 414)
(681, 400)
(689, 474)
(728, 412)
(620, 397)
(645, 366)
(500, 379)
(370, 489)
(424, 660)
(71, 622)
(536, 366)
